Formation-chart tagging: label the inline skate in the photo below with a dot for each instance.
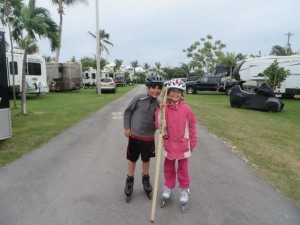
(147, 185)
(185, 199)
(165, 197)
(129, 188)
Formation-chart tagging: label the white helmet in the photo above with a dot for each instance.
(176, 83)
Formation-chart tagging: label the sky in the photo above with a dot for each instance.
(151, 31)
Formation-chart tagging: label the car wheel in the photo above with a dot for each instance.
(190, 90)
(227, 90)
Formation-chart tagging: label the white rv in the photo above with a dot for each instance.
(251, 71)
(36, 77)
(89, 77)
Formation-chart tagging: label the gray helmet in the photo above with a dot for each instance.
(154, 79)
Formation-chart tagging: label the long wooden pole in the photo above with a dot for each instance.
(159, 150)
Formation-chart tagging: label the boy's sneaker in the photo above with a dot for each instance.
(167, 193)
(184, 195)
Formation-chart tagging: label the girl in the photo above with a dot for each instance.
(180, 139)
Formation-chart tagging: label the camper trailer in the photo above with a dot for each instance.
(69, 76)
(251, 71)
(89, 77)
(5, 117)
(36, 77)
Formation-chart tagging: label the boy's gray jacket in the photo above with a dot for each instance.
(139, 116)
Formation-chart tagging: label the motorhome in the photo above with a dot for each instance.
(69, 76)
(120, 79)
(36, 77)
(251, 71)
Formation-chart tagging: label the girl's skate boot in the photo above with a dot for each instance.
(147, 185)
(185, 198)
(129, 188)
(165, 196)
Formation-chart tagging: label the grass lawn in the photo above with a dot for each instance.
(49, 115)
(269, 142)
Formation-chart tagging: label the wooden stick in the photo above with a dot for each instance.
(159, 150)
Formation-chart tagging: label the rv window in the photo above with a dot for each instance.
(34, 69)
(15, 67)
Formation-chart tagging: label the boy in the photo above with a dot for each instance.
(139, 125)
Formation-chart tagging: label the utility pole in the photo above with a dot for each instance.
(98, 73)
(288, 42)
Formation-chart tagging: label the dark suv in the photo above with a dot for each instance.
(207, 83)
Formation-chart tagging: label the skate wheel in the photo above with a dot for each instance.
(185, 208)
(127, 199)
(163, 204)
(149, 196)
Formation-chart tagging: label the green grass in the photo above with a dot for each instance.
(49, 115)
(269, 142)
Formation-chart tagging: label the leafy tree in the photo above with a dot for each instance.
(118, 64)
(275, 74)
(9, 11)
(281, 51)
(49, 58)
(61, 11)
(104, 40)
(204, 53)
(73, 59)
(33, 21)
(88, 62)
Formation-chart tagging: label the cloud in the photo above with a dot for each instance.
(158, 30)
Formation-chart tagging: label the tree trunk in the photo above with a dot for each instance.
(24, 85)
(57, 50)
(13, 65)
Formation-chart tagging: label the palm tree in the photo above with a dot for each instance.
(118, 64)
(134, 65)
(10, 10)
(104, 39)
(146, 67)
(61, 4)
(158, 66)
(32, 46)
(279, 50)
(33, 21)
(186, 68)
(103, 63)
(229, 60)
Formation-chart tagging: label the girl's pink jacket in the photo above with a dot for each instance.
(180, 135)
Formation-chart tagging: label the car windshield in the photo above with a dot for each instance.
(106, 80)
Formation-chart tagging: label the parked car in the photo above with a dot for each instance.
(210, 83)
(108, 85)
(264, 99)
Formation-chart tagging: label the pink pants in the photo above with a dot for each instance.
(182, 173)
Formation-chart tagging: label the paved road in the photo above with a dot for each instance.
(78, 178)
